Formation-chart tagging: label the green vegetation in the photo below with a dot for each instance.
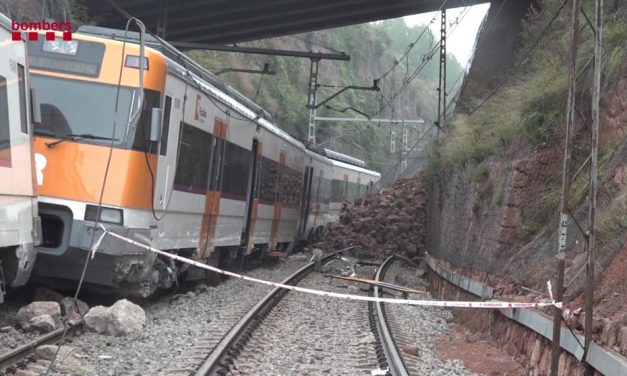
(527, 113)
(481, 174)
(532, 102)
(373, 49)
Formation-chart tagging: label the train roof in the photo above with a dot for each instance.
(209, 83)
(5, 21)
(355, 168)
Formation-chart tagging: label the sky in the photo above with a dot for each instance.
(461, 38)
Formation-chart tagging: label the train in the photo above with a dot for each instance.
(20, 226)
(141, 139)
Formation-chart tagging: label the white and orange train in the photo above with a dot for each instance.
(200, 172)
(19, 223)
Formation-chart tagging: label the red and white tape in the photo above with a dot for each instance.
(426, 303)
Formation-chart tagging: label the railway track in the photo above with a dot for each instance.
(378, 351)
(231, 345)
(388, 354)
(17, 358)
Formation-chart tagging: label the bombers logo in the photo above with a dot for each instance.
(32, 29)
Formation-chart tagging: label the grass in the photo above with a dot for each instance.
(481, 174)
(528, 229)
(532, 102)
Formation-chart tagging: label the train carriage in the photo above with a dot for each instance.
(201, 171)
(19, 222)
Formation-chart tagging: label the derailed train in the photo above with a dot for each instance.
(19, 223)
(180, 161)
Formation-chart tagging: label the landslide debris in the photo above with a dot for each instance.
(393, 219)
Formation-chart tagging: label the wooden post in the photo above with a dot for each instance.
(594, 154)
(561, 252)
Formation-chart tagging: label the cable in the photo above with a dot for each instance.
(107, 168)
(259, 86)
(411, 45)
(427, 58)
(409, 151)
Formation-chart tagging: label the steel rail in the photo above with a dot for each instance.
(215, 360)
(22, 352)
(395, 361)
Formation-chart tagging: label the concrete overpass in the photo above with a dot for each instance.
(233, 21)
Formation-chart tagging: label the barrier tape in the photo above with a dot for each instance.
(424, 303)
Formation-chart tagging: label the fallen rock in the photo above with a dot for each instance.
(120, 319)
(34, 309)
(367, 339)
(411, 350)
(97, 319)
(39, 324)
(72, 309)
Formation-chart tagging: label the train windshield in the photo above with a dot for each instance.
(73, 108)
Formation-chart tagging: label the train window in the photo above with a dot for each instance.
(83, 108)
(236, 171)
(165, 127)
(192, 168)
(5, 131)
(22, 88)
(268, 180)
(337, 191)
(142, 129)
(291, 185)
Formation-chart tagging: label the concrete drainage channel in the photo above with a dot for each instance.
(508, 326)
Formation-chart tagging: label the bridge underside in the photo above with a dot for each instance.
(232, 21)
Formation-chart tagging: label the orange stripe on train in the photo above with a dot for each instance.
(75, 171)
(255, 208)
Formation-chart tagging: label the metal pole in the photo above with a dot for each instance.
(561, 252)
(405, 147)
(311, 102)
(594, 154)
(443, 62)
(442, 74)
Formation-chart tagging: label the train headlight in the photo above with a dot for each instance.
(109, 215)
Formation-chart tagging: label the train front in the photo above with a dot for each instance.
(93, 126)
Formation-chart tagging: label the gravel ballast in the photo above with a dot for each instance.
(174, 325)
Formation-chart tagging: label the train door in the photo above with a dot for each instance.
(305, 200)
(214, 192)
(247, 241)
(166, 162)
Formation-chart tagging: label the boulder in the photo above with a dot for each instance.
(120, 319)
(34, 309)
(72, 309)
(39, 324)
(97, 319)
